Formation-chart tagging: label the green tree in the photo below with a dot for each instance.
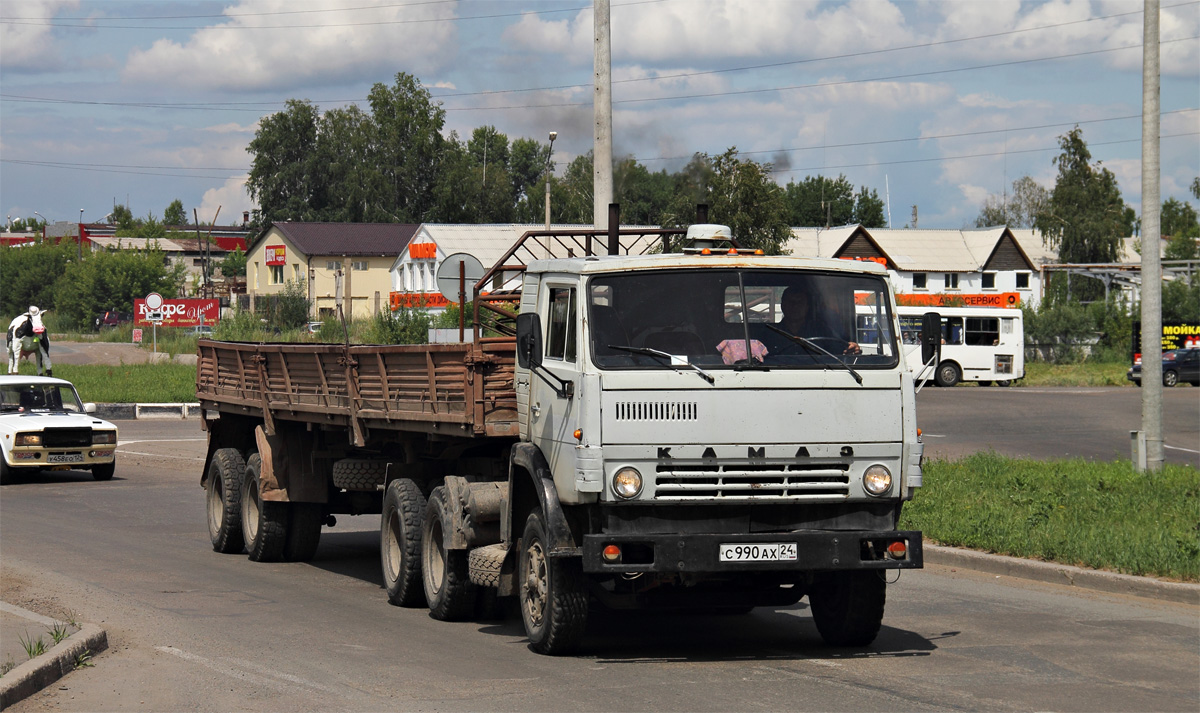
(1085, 217)
(234, 264)
(819, 201)
(344, 148)
(175, 214)
(868, 209)
(123, 218)
(745, 198)
(28, 274)
(1178, 218)
(407, 147)
(527, 166)
(453, 204)
(1019, 209)
(491, 182)
(284, 175)
(112, 279)
(643, 196)
(571, 199)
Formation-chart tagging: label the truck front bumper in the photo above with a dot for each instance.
(700, 553)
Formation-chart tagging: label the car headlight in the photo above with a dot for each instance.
(627, 483)
(877, 480)
(101, 437)
(28, 439)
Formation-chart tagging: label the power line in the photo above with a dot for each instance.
(237, 106)
(239, 14)
(975, 155)
(933, 137)
(325, 25)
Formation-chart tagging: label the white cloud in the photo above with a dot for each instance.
(26, 41)
(231, 197)
(242, 55)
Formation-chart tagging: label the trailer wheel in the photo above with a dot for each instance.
(948, 374)
(224, 501)
(554, 603)
(848, 606)
(400, 543)
(448, 588)
(358, 474)
(303, 531)
(264, 524)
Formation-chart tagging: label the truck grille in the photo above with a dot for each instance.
(66, 437)
(657, 411)
(821, 481)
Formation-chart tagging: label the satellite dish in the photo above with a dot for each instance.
(448, 273)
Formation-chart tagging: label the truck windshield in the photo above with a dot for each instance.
(741, 319)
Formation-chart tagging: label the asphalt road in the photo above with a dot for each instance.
(191, 629)
(1050, 423)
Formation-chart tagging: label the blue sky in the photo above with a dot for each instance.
(933, 104)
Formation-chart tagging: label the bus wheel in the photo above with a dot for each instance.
(985, 383)
(947, 374)
(1004, 382)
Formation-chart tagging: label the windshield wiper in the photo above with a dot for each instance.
(808, 344)
(672, 360)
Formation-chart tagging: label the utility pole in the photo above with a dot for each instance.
(602, 168)
(1151, 261)
(549, 155)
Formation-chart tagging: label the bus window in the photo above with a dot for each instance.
(952, 330)
(983, 331)
(910, 328)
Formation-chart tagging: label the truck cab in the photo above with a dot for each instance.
(709, 448)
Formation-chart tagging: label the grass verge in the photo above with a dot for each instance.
(131, 383)
(1039, 373)
(1090, 514)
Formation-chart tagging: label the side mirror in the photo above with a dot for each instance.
(931, 337)
(529, 340)
(89, 407)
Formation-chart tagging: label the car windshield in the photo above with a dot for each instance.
(740, 319)
(26, 398)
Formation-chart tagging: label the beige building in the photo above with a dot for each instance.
(319, 256)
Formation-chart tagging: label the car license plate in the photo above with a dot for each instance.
(64, 458)
(758, 552)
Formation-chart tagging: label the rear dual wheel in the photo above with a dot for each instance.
(444, 572)
(400, 543)
(223, 500)
(264, 524)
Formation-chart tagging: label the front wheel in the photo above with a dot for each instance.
(554, 604)
(947, 374)
(847, 607)
(264, 524)
(400, 543)
(104, 471)
(444, 572)
(1170, 378)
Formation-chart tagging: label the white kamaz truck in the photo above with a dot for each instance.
(644, 430)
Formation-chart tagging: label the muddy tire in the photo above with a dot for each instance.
(444, 572)
(223, 498)
(400, 543)
(357, 474)
(847, 607)
(303, 531)
(264, 524)
(104, 471)
(552, 595)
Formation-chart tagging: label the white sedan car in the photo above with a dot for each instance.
(44, 426)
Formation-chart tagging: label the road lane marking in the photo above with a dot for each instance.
(160, 440)
(157, 455)
(271, 679)
(1177, 448)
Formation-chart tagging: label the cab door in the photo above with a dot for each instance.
(554, 402)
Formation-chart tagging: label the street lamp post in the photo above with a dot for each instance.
(553, 136)
(44, 222)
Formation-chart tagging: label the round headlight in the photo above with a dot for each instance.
(627, 483)
(877, 480)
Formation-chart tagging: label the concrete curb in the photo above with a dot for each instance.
(1097, 580)
(131, 412)
(38, 673)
